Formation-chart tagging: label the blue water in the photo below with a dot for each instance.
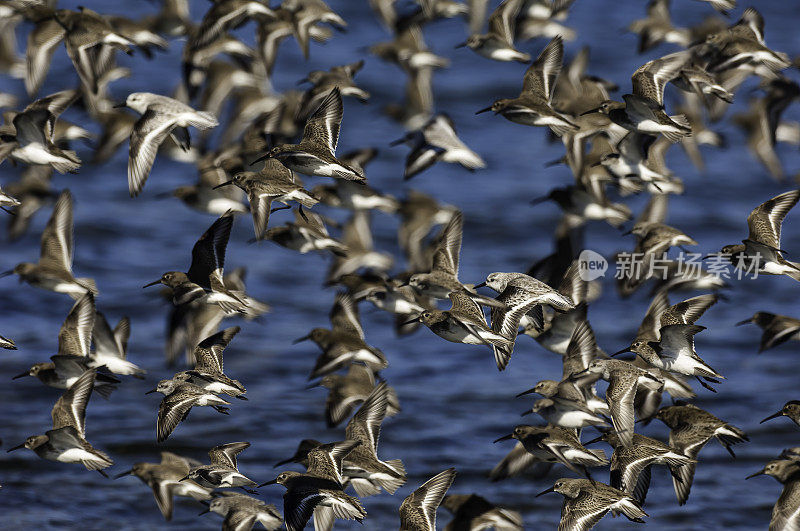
(454, 401)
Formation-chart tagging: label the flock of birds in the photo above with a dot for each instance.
(271, 139)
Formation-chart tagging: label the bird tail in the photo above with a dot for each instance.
(685, 128)
(204, 120)
(391, 484)
(70, 165)
(364, 487)
(89, 284)
(502, 355)
(794, 273)
(631, 509)
(105, 389)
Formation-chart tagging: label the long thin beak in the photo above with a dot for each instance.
(746, 321)
(259, 159)
(462, 45)
(596, 164)
(304, 80)
(312, 385)
(414, 320)
(540, 199)
(301, 339)
(505, 438)
(759, 473)
(627, 232)
(397, 142)
(151, 391)
(118, 105)
(226, 183)
(16, 448)
(774, 416)
(623, 351)
(487, 109)
(126, 473)
(580, 373)
(23, 375)
(551, 489)
(7, 273)
(596, 109)
(711, 255)
(524, 413)
(206, 510)
(184, 478)
(481, 285)
(272, 482)
(523, 393)
(152, 284)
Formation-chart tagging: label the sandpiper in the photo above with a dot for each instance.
(624, 378)
(367, 472)
(54, 269)
(657, 238)
(762, 248)
(777, 329)
(164, 479)
(349, 390)
(565, 413)
(437, 140)
(87, 30)
(517, 461)
(643, 111)
(675, 352)
(30, 140)
(307, 233)
(533, 105)
(66, 442)
(441, 280)
(308, 495)
(111, 347)
(361, 255)
(465, 323)
(521, 294)
(208, 370)
(224, 16)
(498, 42)
(586, 502)
(786, 472)
(71, 362)
(322, 81)
(344, 342)
(418, 510)
(179, 398)
(315, 154)
(242, 512)
(790, 409)
(581, 204)
(471, 511)
(658, 28)
(275, 182)
(204, 280)
(690, 429)
(301, 454)
(160, 116)
(742, 47)
(557, 445)
(222, 472)
(307, 14)
(630, 465)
